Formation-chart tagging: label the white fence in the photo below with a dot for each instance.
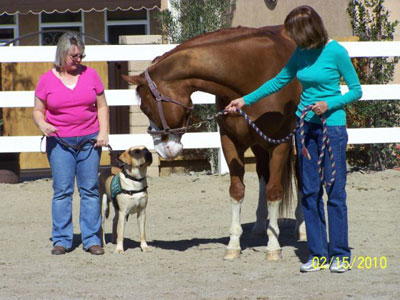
(189, 140)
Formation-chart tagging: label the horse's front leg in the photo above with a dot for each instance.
(262, 159)
(300, 228)
(236, 168)
(277, 165)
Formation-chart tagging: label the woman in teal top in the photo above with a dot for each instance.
(319, 64)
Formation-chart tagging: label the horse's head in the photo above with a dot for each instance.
(168, 107)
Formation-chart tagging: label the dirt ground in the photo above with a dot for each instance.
(188, 218)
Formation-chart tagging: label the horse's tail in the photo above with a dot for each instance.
(289, 181)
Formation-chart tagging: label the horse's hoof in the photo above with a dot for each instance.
(274, 255)
(231, 254)
(146, 249)
(118, 251)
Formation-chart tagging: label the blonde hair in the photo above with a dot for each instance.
(67, 42)
(306, 28)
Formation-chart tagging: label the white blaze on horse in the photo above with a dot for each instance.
(230, 63)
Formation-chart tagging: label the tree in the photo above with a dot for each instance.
(370, 22)
(187, 19)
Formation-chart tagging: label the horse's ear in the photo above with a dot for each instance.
(136, 79)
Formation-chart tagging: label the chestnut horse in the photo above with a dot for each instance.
(229, 63)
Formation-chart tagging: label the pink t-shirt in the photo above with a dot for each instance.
(72, 111)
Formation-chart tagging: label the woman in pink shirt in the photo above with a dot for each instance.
(72, 112)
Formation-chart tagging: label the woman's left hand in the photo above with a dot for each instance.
(320, 107)
(102, 140)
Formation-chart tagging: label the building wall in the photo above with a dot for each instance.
(257, 13)
(393, 6)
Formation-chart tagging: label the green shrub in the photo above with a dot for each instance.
(369, 20)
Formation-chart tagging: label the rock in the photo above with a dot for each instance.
(7, 176)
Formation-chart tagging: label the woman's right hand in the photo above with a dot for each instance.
(47, 128)
(234, 104)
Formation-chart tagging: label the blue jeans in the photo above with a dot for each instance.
(66, 164)
(312, 190)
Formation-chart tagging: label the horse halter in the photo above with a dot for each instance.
(161, 98)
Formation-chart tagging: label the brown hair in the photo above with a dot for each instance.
(306, 28)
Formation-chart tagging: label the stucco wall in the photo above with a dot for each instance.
(393, 6)
(257, 13)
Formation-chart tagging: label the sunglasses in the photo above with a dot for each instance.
(76, 56)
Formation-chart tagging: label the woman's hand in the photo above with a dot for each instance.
(237, 103)
(38, 114)
(320, 108)
(46, 128)
(102, 140)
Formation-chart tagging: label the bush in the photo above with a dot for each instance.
(369, 20)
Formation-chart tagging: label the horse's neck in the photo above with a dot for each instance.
(195, 72)
(227, 68)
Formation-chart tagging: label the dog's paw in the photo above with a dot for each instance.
(118, 251)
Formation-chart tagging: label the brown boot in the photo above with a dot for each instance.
(96, 250)
(58, 250)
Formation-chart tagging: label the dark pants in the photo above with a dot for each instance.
(312, 190)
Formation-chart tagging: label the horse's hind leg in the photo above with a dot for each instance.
(262, 158)
(236, 168)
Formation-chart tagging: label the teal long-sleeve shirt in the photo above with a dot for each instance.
(319, 71)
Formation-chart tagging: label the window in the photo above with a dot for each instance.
(55, 24)
(8, 27)
(130, 22)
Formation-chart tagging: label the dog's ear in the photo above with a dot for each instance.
(149, 157)
(126, 158)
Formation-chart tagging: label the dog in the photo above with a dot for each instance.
(127, 190)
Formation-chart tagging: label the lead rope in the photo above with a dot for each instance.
(325, 141)
(67, 145)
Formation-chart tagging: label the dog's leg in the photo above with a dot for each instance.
(114, 228)
(104, 208)
(141, 217)
(120, 232)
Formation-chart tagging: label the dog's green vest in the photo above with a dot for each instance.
(115, 186)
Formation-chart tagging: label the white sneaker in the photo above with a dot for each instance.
(338, 266)
(312, 265)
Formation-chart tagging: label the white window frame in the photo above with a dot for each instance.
(14, 27)
(80, 24)
(126, 22)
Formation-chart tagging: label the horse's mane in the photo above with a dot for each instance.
(220, 36)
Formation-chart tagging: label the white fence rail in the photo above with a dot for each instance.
(190, 140)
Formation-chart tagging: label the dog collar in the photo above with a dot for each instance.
(131, 177)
